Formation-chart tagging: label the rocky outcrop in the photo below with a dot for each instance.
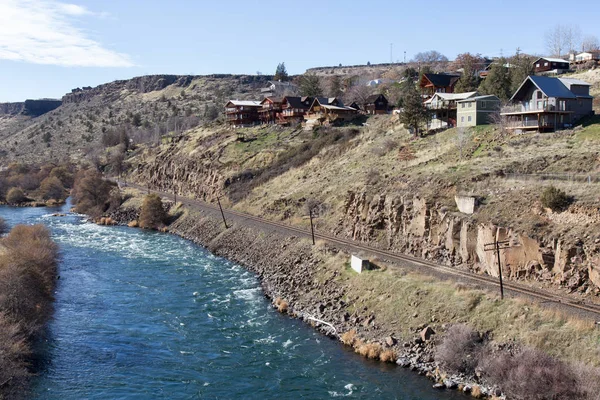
(11, 108)
(413, 226)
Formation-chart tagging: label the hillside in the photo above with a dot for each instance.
(146, 107)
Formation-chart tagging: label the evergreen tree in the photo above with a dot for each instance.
(470, 64)
(521, 68)
(335, 86)
(498, 82)
(310, 85)
(281, 73)
(414, 114)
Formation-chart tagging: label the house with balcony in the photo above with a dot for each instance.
(325, 111)
(477, 110)
(443, 108)
(548, 66)
(293, 109)
(583, 57)
(546, 104)
(437, 83)
(240, 113)
(270, 108)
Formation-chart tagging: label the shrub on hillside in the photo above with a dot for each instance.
(152, 214)
(461, 349)
(52, 188)
(533, 375)
(15, 195)
(93, 195)
(555, 199)
(15, 352)
(64, 174)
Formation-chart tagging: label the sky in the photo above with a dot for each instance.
(49, 47)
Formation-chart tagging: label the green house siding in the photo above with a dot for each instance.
(476, 111)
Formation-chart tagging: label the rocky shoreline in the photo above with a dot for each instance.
(291, 276)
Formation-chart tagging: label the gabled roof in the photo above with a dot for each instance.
(557, 60)
(452, 96)
(247, 103)
(299, 102)
(373, 98)
(484, 97)
(441, 80)
(272, 100)
(551, 87)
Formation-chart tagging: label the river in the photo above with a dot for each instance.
(144, 315)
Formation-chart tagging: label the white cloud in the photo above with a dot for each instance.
(42, 32)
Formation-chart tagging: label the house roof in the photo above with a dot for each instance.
(373, 98)
(452, 96)
(299, 102)
(572, 81)
(248, 103)
(551, 87)
(441, 80)
(558, 60)
(484, 97)
(273, 100)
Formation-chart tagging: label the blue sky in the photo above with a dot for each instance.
(48, 47)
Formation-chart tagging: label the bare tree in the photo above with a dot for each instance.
(359, 93)
(462, 140)
(590, 43)
(562, 39)
(431, 56)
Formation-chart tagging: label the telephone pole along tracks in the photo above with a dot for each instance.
(584, 309)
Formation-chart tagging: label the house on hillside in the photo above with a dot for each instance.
(437, 83)
(546, 104)
(293, 109)
(240, 113)
(279, 89)
(443, 108)
(585, 56)
(375, 104)
(270, 107)
(477, 110)
(547, 65)
(325, 111)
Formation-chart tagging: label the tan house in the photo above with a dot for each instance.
(325, 111)
(443, 108)
(477, 110)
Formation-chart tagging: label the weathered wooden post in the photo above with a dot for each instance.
(222, 213)
(312, 228)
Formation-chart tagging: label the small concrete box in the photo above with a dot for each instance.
(359, 264)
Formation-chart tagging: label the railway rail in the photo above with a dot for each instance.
(486, 281)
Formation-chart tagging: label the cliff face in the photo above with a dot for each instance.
(11, 108)
(35, 108)
(412, 226)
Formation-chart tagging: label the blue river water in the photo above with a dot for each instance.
(143, 315)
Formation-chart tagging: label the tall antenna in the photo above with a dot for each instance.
(391, 53)
(404, 56)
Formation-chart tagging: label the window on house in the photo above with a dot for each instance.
(539, 94)
(470, 104)
(462, 119)
(539, 105)
(545, 64)
(462, 105)
(469, 118)
(483, 104)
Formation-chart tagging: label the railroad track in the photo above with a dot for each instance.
(485, 280)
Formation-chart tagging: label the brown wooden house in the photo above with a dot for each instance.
(293, 109)
(324, 111)
(241, 113)
(375, 104)
(547, 65)
(437, 83)
(270, 108)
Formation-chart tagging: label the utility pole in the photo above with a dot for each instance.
(312, 228)
(391, 53)
(222, 213)
(404, 56)
(497, 246)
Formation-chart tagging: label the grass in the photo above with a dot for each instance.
(406, 300)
